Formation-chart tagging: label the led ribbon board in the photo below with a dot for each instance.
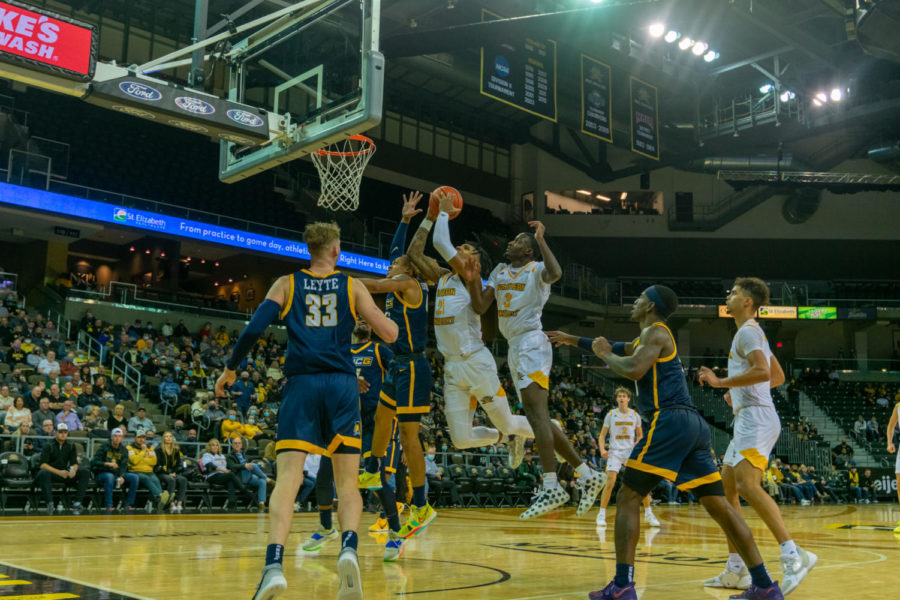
(167, 225)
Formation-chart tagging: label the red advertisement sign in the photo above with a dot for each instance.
(45, 39)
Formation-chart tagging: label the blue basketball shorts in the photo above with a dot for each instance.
(407, 389)
(320, 414)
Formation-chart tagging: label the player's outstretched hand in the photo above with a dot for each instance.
(708, 377)
(561, 338)
(539, 229)
(890, 447)
(363, 384)
(409, 209)
(471, 270)
(445, 204)
(728, 398)
(227, 377)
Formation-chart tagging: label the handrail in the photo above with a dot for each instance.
(88, 342)
(131, 375)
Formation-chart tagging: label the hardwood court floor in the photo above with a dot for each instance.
(462, 555)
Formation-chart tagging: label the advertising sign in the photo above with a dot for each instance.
(817, 312)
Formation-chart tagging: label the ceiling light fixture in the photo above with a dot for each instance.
(602, 197)
(711, 56)
(584, 192)
(685, 43)
(657, 30)
(837, 94)
(787, 96)
(699, 48)
(765, 89)
(623, 196)
(672, 36)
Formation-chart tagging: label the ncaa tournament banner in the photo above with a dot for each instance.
(596, 98)
(521, 73)
(644, 119)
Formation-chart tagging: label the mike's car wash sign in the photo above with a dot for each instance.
(47, 41)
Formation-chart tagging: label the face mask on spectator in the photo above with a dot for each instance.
(177, 368)
(251, 421)
(169, 379)
(444, 447)
(483, 449)
(231, 417)
(430, 456)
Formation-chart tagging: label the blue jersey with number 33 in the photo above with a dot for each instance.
(320, 317)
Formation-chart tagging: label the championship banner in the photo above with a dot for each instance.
(47, 42)
(596, 98)
(644, 119)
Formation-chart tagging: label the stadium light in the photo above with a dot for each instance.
(765, 89)
(787, 96)
(657, 30)
(685, 43)
(672, 36)
(623, 196)
(699, 48)
(837, 94)
(602, 197)
(711, 56)
(584, 192)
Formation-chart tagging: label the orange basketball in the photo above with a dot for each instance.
(433, 201)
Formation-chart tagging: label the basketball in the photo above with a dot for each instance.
(433, 201)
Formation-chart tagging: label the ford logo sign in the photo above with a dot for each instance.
(140, 91)
(195, 105)
(243, 117)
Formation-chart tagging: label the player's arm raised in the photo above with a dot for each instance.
(639, 362)
(442, 243)
(416, 250)
(482, 297)
(366, 309)
(397, 283)
(552, 271)
(892, 424)
(266, 314)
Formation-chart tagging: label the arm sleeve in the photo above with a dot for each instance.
(398, 244)
(264, 316)
(441, 238)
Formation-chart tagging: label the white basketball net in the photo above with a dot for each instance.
(340, 168)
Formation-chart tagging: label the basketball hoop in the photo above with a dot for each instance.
(340, 168)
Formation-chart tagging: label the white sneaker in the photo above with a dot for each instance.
(796, 567)
(350, 582)
(271, 584)
(601, 518)
(590, 489)
(730, 580)
(516, 450)
(545, 501)
(651, 519)
(802, 503)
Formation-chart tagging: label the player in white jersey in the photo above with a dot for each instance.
(752, 371)
(891, 429)
(521, 288)
(624, 428)
(469, 368)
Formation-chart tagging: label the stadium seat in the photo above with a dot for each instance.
(16, 481)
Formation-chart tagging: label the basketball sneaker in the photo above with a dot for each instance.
(545, 501)
(590, 489)
(319, 539)
(516, 450)
(393, 549)
(350, 582)
(370, 481)
(614, 592)
(730, 580)
(419, 518)
(796, 567)
(379, 526)
(271, 584)
(651, 519)
(754, 593)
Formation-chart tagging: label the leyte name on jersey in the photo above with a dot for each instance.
(444, 321)
(507, 313)
(517, 287)
(321, 285)
(446, 292)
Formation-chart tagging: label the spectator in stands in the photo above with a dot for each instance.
(110, 466)
(6, 398)
(181, 330)
(59, 464)
(88, 397)
(48, 364)
(222, 338)
(251, 430)
(807, 484)
(46, 434)
(842, 460)
(169, 466)
(436, 478)
(853, 482)
(772, 478)
(43, 412)
(85, 375)
(213, 416)
(789, 487)
(859, 428)
(94, 422)
(56, 397)
(141, 461)
(16, 355)
(140, 422)
(274, 371)
(167, 330)
(251, 474)
(823, 486)
(119, 392)
(117, 418)
(842, 446)
(67, 367)
(35, 354)
(527, 473)
(867, 486)
(33, 401)
(101, 390)
(243, 392)
(231, 427)
(68, 391)
(168, 390)
(68, 416)
(215, 467)
(873, 431)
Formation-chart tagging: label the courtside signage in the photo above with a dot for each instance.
(46, 40)
(164, 224)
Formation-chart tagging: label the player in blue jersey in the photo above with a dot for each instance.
(677, 446)
(407, 389)
(320, 407)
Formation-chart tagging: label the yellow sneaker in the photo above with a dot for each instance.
(419, 518)
(379, 526)
(370, 481)
(400, 508)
